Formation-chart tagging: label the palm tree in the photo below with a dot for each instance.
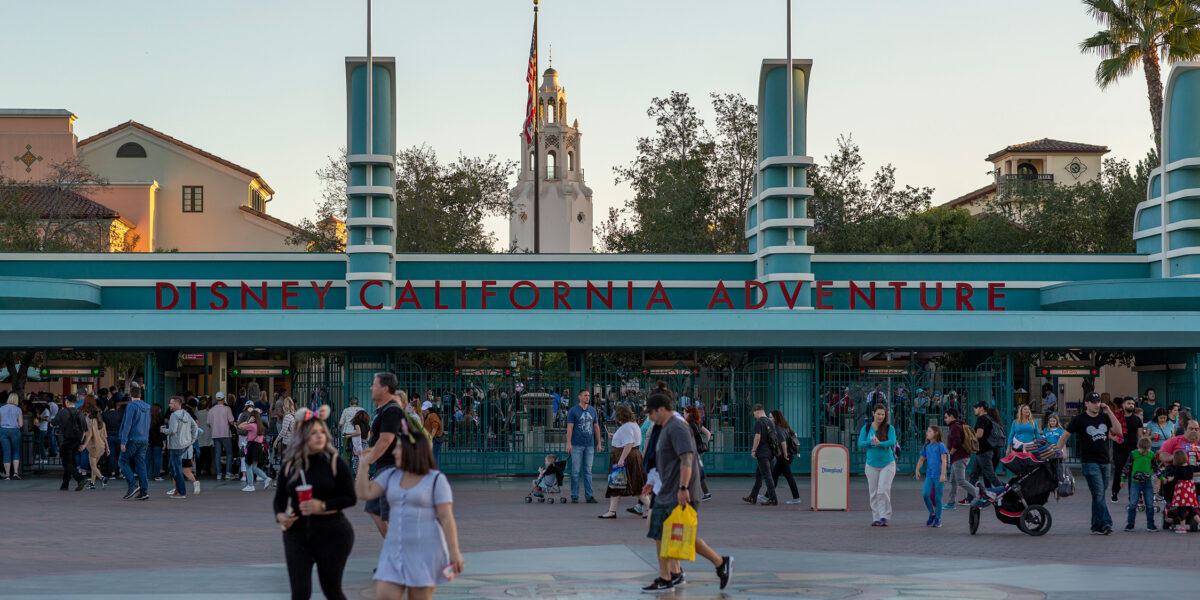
(1145, 32)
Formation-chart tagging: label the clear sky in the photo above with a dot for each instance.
(930, 86)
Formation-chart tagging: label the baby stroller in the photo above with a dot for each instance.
(550, 482)
(1022, 501)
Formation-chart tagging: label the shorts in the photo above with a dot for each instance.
(658, 515)
(379, 506)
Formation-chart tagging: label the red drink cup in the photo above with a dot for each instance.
(304, 492)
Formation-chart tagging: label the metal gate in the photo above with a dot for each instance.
(916, 395)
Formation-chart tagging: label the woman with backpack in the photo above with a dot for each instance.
(702, 437)
(879, 439)
(783, 462)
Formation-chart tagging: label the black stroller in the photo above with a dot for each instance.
(1022, 501)
(549, 482)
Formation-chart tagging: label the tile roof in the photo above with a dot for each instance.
(177, 142)
(971, 196)
(50, 202)
(266, 217)
(1049, 145)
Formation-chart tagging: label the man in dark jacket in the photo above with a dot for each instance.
(70, 422)
(958, 460)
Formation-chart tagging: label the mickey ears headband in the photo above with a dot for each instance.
(304, 415)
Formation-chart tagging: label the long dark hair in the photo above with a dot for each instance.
(781, 421)
(881, 433)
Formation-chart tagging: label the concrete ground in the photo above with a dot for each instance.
(223, 543)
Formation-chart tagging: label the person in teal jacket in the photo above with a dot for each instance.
(879, 439)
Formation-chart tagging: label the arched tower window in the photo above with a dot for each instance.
(551, 165)
(553, 113)
(531, 158)
(571, 161)
(131, 150)
(562, 110)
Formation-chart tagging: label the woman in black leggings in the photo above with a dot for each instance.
(783, 464)
(315, 531)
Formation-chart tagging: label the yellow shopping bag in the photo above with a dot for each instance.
(679, 534)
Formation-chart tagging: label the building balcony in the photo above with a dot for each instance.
(1019, 183)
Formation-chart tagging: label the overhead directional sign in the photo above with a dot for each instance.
(261, 372)
(1069, 372)
(72, 371)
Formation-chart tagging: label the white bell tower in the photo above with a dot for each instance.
(565, 201)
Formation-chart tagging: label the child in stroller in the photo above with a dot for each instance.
(549, 481)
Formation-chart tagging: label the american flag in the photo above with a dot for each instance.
(531, 79)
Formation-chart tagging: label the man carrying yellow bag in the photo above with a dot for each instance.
(673, 511)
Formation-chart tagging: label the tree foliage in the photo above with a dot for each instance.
(24, 228)
(1142, 33)
(690, 188)
(852, 214)
(440, 206)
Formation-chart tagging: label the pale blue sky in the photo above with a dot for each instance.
(930, 86)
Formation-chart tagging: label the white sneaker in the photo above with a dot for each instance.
(794, 501)
(762, 498)
(248, 488)
(171, 492)
(196, 486)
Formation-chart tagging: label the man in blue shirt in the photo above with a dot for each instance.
(135, 439)
(583, 442)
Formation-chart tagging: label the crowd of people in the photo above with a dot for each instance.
(1153, 451)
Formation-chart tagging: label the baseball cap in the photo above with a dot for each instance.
(426, 405)
(220, 395)
(1091, 397)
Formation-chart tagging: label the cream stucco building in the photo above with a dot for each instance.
(1040, 162)
(565, 200)
(163, 193)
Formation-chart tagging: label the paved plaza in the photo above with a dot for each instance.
(222, 543)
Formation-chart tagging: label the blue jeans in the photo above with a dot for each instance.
(176, 466)
(10, 444)
(222, 446)
(1145, 491)
(135, 452)
(931, 493)
(581, 460)
(1098, 477)
(114, 454)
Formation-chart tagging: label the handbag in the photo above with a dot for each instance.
(618, 479)
(679, 534)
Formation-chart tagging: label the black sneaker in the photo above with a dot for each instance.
(142, 496)
(591, 500)
(659, 586)
(1128, 527)
(574, 500)
(725, 571)
(677, 579)
(15, 476)
(1106, 531)
(79, 486)
(131, 493)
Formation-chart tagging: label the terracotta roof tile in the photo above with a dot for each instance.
(50, 202)
(177, 142)
(971, 196)
(1049, 145)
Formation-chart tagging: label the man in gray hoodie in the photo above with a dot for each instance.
(181, 434)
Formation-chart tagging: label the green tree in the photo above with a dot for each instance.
(1142, 33)
(845, 207)
(48, 227)
(440, 206)
(690, 188)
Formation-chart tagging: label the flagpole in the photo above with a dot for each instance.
(537, 149)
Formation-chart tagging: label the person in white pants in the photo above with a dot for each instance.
(879, 440)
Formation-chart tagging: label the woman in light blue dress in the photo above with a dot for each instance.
(421, 548)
